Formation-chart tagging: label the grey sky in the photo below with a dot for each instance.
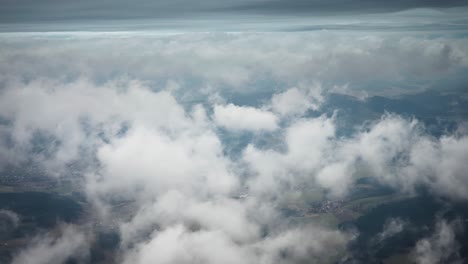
(345, 6)
(33, 11)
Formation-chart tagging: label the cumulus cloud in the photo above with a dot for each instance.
(184, 196)
(147, 155)
(306, 143)
(169, 161)
(440, 247)
(393, 150)
(296, 101)
(179, 245)
(391, 228)
(50, 249)
(146, 134)
(239, 118)
(440, 163)
(305, 244)
(78, 116)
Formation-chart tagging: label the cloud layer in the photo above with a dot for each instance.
(144, 120)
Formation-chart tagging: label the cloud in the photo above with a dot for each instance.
(233, 117)
(306, 142)
(155, 162)
(440, 163)
(306, 244)
(104, 106)
(440, 247)
(339, 7)
(185, 197)
(135, 113)
(171, 12)
(296, 102)
(391, 228)
(9, 221)
(284, 60)
(76, 117)
(49, 249)
(393, 150)
(229, 216)
(149, 150)
(179, 245)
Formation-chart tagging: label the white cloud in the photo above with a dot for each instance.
(148, 162)
(77, 114)
(169, 162)
(393, 150)
(225, 215)
(239, 118)
(54, 250)
(440, 164)
(233, 60)
(296, 101)
(307, 143)
(441, 247)
(307, 243)
(143, 145)
(391, 228)
(178, 245)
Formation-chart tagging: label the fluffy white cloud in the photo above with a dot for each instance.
(226, 215)
(235, 117)
(306, 146)
(441, 164)
(77, 116)
(55, 250)
(144, 140)
(307, 243)
(148, 159)
(178, 245)
(295, 101)
(393, 150)
(149, 150)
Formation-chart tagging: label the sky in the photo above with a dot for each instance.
(209, 15)
(52, 10)
(211, 116)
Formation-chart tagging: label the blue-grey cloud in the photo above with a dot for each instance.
(320, 7)
(121, 12)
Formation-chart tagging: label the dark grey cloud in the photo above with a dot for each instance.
(345, 6)
(52, 10)
(29, 11)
